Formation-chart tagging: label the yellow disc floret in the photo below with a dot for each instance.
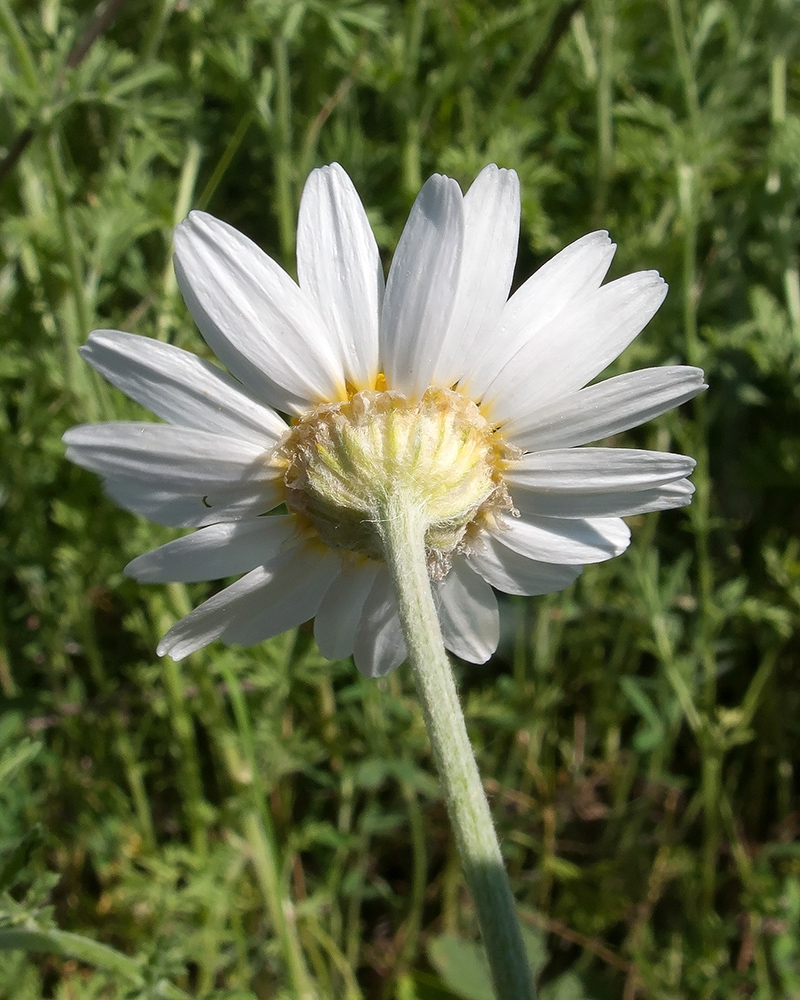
(346, 463)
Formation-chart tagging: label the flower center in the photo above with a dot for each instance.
(347, 464)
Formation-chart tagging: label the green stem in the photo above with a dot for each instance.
(411, 155)
(162, 11)
(134, 772)
(604, 105)
(37, 939)
(264, 862)
(23, 55)
(260, 833)
(791, 277)
(402, 533)
(225, 160)
(167, 318)
(189, 773)
(419, 884)
(283, 148)
(684, 59)
(82, 322)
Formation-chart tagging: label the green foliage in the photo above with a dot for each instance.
(217, 828)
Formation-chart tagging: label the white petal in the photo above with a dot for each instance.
(379, 647)
(597, 470)
(257, 321)
(491, 238)
(275, 597)
(607, 408)
(339, 265)
(215, 552)
(340, 612)
(565, 279)
(422, 285)
(180, 387)
(177, 475)
(573, 541)
(516, 574)
(468, 613)
(622, 503)
(576, 346)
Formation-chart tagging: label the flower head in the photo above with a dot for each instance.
(437, 387)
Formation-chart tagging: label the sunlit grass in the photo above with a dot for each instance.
(252, 821)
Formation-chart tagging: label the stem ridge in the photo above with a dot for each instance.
(402, 532)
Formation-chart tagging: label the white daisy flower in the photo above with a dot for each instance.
(475, 404)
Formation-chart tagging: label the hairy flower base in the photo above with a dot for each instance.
(346, 464)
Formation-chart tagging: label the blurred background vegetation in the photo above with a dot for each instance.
(263, 823)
